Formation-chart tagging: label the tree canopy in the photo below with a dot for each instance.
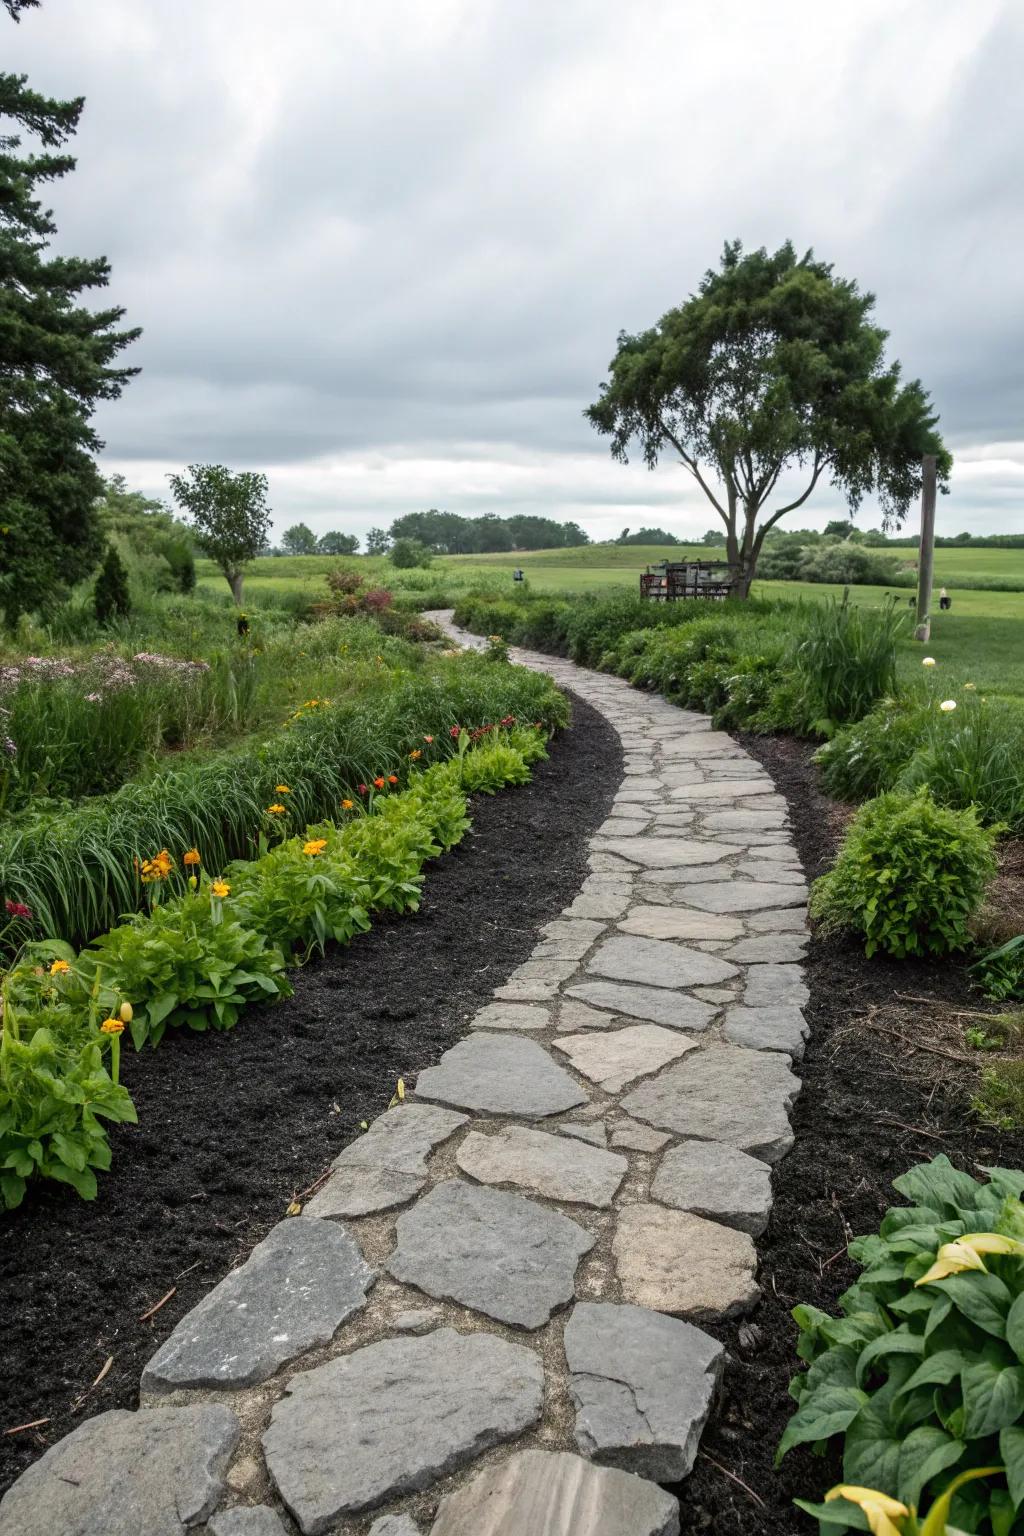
(56, 363)
(229, 516)
(299, 540)
(447, 533)
(773, 366)
(335, 543)
(646, 536)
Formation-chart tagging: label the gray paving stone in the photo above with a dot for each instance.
(565, 939)
(761, 820)
(246, 1520)
(723, 789)
(638, 1138)
(774, 986)
(613, 1058)
(393, 1417)
(573, 1015)
(498, 1253)
(545, 1165)
(656, 962)
(294, 1291)
(553, 1493)
(673, 1261)
(524, 990)
(394, 1525)
(698, 874)
(610, 863)
(745, 896)
(763, 948)
(607, 902)
(543, 970)
(524, 1016)
(716, 1181)
(765, 869)
(620, 826)
(703, 744)
(671, 923)
(664, 852)
(715, 994)
(596, 1135)
(387, 1165)
(658, 1004)
(768, 1027)
(500, 1075)
(723, 1093)
(159, 1471)
(643, 1385)
(788, 920)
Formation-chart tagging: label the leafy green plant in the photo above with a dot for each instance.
(847, 659)
(1000, 972)
(999, 1098)
(187, 963)
(868, 757)
(908, 877)
(923, 1373)
(971, 752)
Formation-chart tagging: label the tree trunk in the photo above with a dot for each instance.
(235, 579)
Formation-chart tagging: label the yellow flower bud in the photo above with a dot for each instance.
(125, 1011)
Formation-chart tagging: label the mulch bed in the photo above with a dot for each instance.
(884, 1087)
(232, 1126)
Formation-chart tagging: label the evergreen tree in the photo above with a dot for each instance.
(56, 361)
(111, 599)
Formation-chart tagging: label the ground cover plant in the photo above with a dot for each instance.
(922, 1374)
(209, 947)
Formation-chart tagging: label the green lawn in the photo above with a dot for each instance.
(980, 641)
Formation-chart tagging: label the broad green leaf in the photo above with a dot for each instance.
(993, 1397)
(937, 1184)
(938, 1370)
(1015, 1327)
(1011, 1449)
(871, 1452)
(821, 1414)
(900, 1342)
(838, 1512)
(982, 1298)
(925, 1453)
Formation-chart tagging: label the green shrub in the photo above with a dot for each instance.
(847, 660)
(909, 876)
(1000, 972)
(922, 1374)
(972, 755)
(867, 758)
(491, 767)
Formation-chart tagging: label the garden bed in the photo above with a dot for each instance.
(233, 1125)
(873, 1104)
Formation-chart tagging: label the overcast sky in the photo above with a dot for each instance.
(382, 249)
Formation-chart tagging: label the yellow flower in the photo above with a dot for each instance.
(878, 1507)
(125, 1012)
(346, 805)
(971, 686)
(191, 858)
(966, 1253)
(947, 706)
(220, 888)
(59, 968)
(415, 754)
(112, 1027)
(282, 789)
(157, 868)
(314, 846)
(276, 810)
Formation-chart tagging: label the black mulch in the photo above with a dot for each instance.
(232, 1126)
(867, 1112)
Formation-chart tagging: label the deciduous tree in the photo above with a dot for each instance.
(773, 366)
(298, 540)
(229, 514)
(335, 543)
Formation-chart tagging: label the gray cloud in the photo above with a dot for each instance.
(384, 252)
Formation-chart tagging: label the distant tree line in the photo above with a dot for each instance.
(446, 533)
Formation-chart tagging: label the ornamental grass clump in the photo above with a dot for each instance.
(909, 876)
(922, 1375)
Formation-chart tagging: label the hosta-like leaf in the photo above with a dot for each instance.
(982, 1298)
(821, 1414)
(993, 1397)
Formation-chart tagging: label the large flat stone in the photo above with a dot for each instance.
(613, 1058)
(772, 986)
(765, 948)
(704, 744)
(637, 1137)
(523, 1016)
(716, 1181)
(664, 852)
(673, 1261)
(553, 1493)
(159, 1471)
(495, 1252)
(394, 1525)
(672, 923)
(246, 1520)
(723, 789)
(643, 1385)
(760, 820)
(388, 1165)
(605, 902)
(568, 940)
(294, 1291)
(723, 1093)
(745, 895)
(545, 1165)
(657, 962)
(393, 1417)
(769, 1028)
(500, 1075)
(573, 1015)
(782, 920)
(658, 1004)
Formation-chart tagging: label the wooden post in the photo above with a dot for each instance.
(926, 553)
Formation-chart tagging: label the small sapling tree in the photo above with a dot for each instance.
(111, 598)
(229, 514)
(773, 366)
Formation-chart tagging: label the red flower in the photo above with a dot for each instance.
(18, 909)
(378, 783)
(363, 789)
(509, 720)
(392, 778)
(455, 732)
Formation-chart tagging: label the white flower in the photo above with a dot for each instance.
(948, 705)
(927, 661)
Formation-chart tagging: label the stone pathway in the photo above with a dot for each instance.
(486, 1322)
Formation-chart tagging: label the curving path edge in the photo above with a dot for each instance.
(486, 1322)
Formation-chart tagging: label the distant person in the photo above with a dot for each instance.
(517, 574)
(945, 601)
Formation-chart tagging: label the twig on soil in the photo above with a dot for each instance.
(918, 1130)
(918, 1045)
(734, 1479)
(103, 1371)
(840, 1253)
(34, 1424)
(188, 1271)
(303, 1193)
(147, 1315)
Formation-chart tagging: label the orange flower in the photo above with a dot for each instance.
(392, 778)
(346, 805)
(191, 858)
(59, 968)
(415, 754)
(112, 1027)
(276, 810)
(157, 868)
(314, 846)
(379, 783)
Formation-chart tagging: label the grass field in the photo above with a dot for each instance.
(981, 640)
